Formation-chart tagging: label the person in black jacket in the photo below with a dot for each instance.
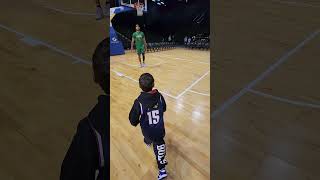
(148, 110)
(88, 155)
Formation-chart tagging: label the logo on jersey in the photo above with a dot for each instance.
(156, 106)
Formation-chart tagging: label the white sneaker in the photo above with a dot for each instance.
(162, 174)
(99, 13)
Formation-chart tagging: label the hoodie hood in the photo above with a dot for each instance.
(149, 99)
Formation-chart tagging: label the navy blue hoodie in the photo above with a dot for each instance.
(147, 111)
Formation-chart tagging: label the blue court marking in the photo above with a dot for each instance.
(263, 75)
(30, 41)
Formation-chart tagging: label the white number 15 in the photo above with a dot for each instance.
(153, 117)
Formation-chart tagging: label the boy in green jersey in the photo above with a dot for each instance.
(141, 44)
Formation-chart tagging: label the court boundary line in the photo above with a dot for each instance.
(263, 75)
(56, 49)
(60, 51)
(120, 74)
(196, 92)
(193, 84)
(153, 65)
(187, 89)
(13, 31)
(181, 59)
(76, 59)
(158, 57)
(284, 100)
(123, 75)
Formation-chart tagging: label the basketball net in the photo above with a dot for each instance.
(139, 7)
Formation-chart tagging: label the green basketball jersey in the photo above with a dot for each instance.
(138, 39)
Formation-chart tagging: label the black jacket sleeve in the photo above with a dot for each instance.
(80, 161)
(164, 103)
(134, 115)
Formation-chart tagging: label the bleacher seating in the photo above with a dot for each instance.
(160, 46)
(152, 46)
(159, 43)
(199, 42)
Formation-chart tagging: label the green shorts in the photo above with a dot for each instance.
(140, 50)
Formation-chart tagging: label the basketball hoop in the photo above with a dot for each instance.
(139, 7)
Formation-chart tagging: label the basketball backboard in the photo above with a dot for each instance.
(130, 3)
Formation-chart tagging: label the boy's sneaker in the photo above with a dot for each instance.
(162, 174)
(99, 13)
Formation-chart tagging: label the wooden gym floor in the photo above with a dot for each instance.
(266, 101)
(44, 91)
(183, 77)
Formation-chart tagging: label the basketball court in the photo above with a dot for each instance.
(46, 82)
(183, 77)
(266, 100)
(185, 82)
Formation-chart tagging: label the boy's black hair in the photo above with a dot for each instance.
(101, 65)
(146, 82)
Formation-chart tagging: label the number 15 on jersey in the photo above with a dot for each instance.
(153, 117)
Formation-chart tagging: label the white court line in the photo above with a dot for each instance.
(123, 75)
(60, 51)
(147, 65)
(297, 103)
(193, 84)
(176, 58)
(187, 60)
(128, 64)
(154, 65)
(296, 3)
(263, 75)
(187, 89)
(12, 30)
(196, 92)
(128, 77)
(77, 59)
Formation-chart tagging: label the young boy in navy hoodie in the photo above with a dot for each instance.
(148, 110)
